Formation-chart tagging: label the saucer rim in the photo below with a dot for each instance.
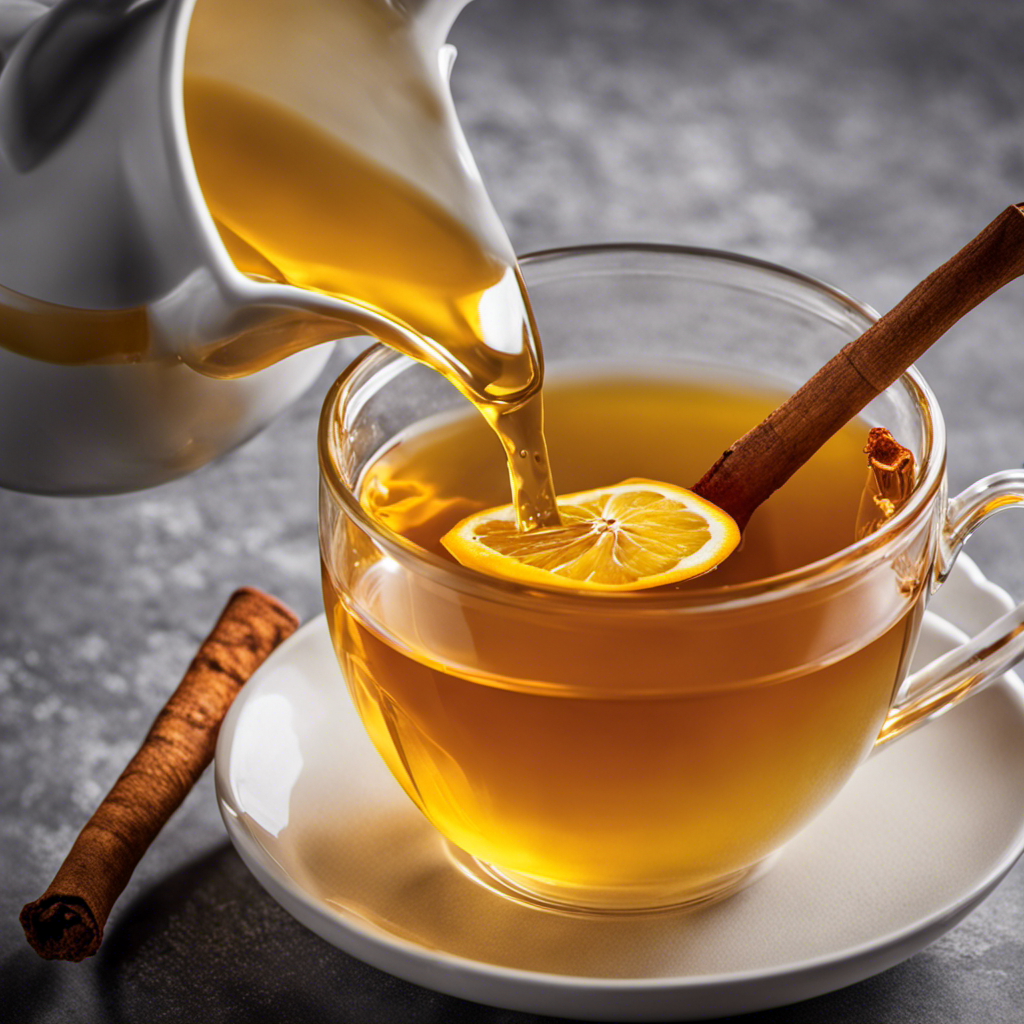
(378, 947)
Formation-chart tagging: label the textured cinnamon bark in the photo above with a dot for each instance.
(891, 471)
(762, 460)
(66, 922)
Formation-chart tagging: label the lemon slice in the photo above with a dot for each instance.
(627, 536)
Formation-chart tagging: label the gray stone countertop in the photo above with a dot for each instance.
(861, 143)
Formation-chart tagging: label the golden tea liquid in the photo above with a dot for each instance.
(599, 746)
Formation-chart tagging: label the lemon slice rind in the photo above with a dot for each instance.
(633, 535)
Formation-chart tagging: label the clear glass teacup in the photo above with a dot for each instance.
(635, 752)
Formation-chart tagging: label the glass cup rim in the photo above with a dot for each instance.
(855, 557)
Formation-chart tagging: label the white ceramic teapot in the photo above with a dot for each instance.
(126, 331)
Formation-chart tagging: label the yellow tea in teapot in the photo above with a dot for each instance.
(296, 205)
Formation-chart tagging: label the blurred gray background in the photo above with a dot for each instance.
(861, 143)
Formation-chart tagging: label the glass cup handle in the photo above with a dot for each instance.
(965, 670)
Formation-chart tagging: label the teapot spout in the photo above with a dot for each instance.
(229, 325)
(233, 326)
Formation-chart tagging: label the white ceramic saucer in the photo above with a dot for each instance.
(921, 835)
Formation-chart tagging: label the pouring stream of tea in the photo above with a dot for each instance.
(387, 210)
(268, 177)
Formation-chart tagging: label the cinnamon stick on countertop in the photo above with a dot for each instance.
(762, 460)
(66, 922)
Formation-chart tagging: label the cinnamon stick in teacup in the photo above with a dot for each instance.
(66, 922)
(762, 460)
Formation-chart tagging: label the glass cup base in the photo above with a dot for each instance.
(561, 898)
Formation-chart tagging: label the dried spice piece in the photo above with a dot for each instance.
(66, 922)
(891, 471)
